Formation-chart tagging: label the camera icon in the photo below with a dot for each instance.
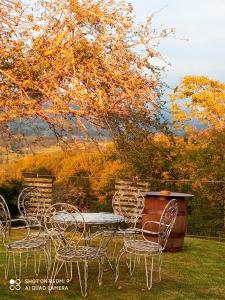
(14, 284)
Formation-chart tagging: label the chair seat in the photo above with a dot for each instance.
(47, 234)
(143, 247)
(26, 245)
(32, 222)
(121, 232)
(79, 253)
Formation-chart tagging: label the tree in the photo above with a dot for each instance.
(198, 108)
(70, 63)
(199, 101)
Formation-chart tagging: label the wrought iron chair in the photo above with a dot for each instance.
(146, 248)
(130, 205)
(31, 205)
(23, 246)
(71, 245)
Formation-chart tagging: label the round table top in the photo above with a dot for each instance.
(89, 218)
(175, 195)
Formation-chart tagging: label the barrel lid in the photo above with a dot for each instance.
(171, 195)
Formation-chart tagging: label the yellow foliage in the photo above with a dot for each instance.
(98, 166)
(199, 100)
(78, 60)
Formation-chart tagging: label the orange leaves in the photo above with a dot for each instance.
(87, 12)
(78, 59)
(81, 125)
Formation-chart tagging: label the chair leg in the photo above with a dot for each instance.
(101, 268)
(139, 259)
(112, 248)
(20, 258)
(47, 261)
(39, 264)
(26, 261)
(110, 264)
(66, 269)
(71, 272)
(36, 266)
(83, 286)
(7, 260)
(20, 265)
(50, 246)
(35, 263)
(55, 270)
(160, 267)
(52, 275)
(149, 282)
(128, 260)
(49, 254)
(132, 265)
(122, 251)
(14, 265)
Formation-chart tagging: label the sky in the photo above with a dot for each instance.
(202, 22)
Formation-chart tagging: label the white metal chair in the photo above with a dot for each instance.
(71, 245)
(31, 205)
(146, 248)
(25, 245)
(130, 205)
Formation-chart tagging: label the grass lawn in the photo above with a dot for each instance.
(196, 273)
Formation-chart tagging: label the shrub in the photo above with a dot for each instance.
(10, 191)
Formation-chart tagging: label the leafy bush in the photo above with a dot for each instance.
(10, 191)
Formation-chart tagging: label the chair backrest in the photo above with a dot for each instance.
(5, 219)
(167, 222)
(43, 184)
(65, 225)
(129, 204)
(31, 205)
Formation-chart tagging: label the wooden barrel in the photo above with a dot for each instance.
(154, 206)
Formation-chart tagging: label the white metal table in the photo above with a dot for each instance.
(90, 219)
(101, 219)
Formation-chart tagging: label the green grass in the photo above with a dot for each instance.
(196, 273)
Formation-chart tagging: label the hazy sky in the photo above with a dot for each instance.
(203, 23)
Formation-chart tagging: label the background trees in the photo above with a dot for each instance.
(71, 66)
(198, 110)
(75, 64)
(199, 100)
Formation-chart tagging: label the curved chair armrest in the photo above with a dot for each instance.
(32, 234)
(154, 222)
(146, 231)
(141, 230)
(32, 223)
(25, 225)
